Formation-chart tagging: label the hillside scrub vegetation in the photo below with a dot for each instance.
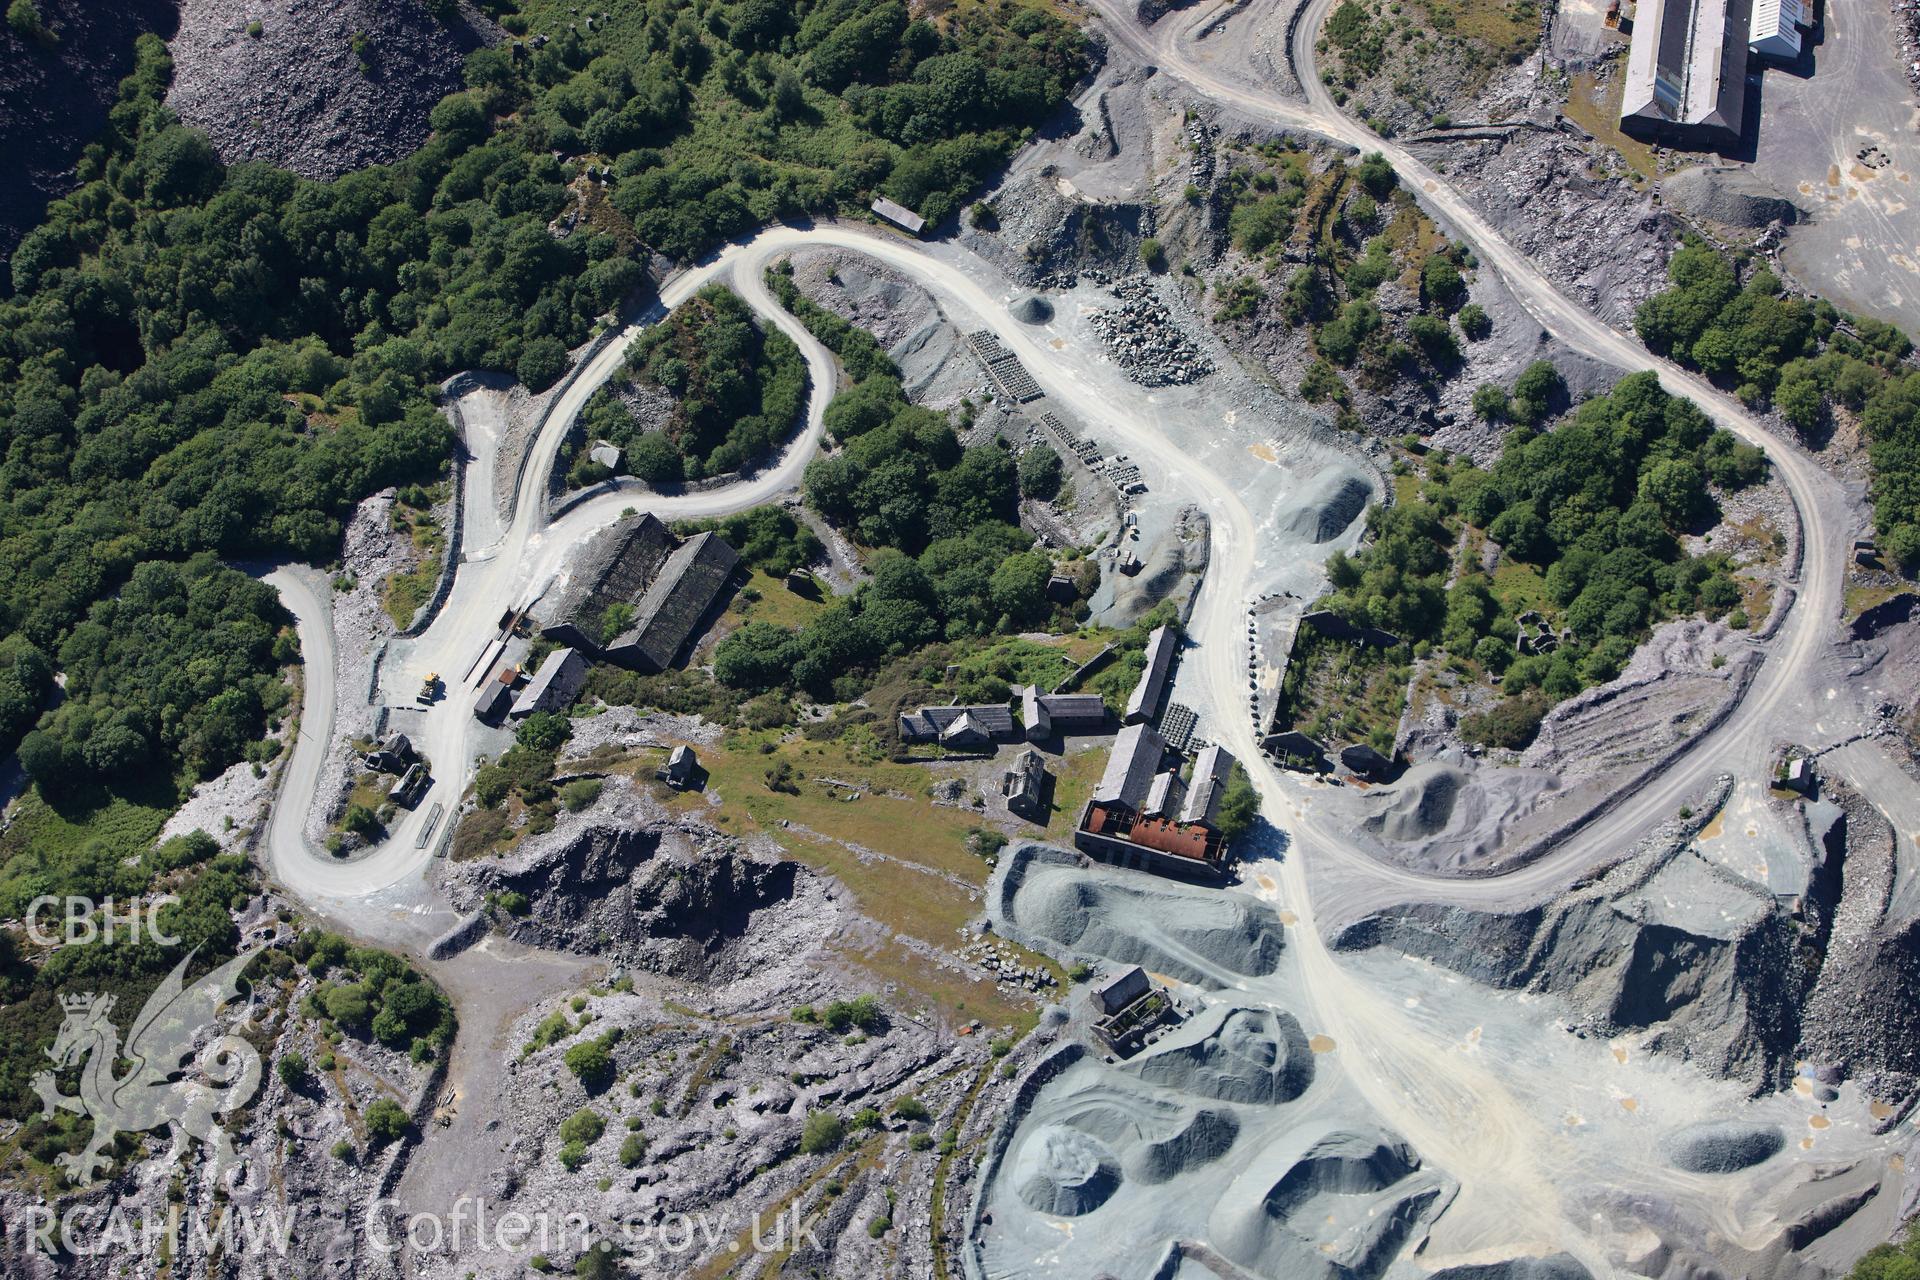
(1408, 65)
(203, 357)
(180, 666)
(374, 994)
(1356, 231)
(1810, 361)
(767, 538)
(737, 394)
(1592, 509)
(208, 885)
(947, 556)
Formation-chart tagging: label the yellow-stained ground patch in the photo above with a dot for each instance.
(1596, 108)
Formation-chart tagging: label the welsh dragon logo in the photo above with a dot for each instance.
(153, 1091)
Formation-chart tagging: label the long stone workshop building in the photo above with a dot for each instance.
(1687, 71)
(650, 590)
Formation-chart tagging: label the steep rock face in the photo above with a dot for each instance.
(1668, 942)
(326, 87)
(54, 98)
(633, 882)
(1862, 1016)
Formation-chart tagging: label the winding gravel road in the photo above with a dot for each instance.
(514, 569)
(1462, 1114)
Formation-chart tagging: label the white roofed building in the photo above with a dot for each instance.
(1687, 70)
(1775, 30)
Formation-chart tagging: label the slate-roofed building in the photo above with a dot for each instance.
(678, 599)
(554, 686)
(492, 702)
(1211, 769)
(1025, 786)
(1687, 70)
(957, 726)
(614, 567)
(1046, 714)
(681, 769)
(1130, 821)
(1362, 760)
(899, 215)
(669, 588)
(1144, 702)
(1115, 993)
(1137, 751)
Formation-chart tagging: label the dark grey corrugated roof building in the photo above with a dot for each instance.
(679, 599)
(614, 567)
(670, 590)
(959, 726)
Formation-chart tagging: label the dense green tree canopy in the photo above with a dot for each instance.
(1810, 360)
(206, 358)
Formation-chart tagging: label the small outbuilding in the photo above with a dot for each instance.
(1363, 761)
(1122, 989)
(899, 215)
(491, 704)
(1025, 787)
(554, 686)
(682, 769)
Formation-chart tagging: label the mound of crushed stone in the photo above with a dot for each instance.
(1204, 1139)
(1065, 1172)
(1723, 1146)
(1256, 1056)
(1355, 1188)
(1419, 806)
(327, 87)
(1558, 1267)
(1191, 934)
(1732, 197)
(1329, 505)
(1032, 309)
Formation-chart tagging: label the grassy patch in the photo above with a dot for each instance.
(924, 887)
(404, 593)
(1344, 692)
(44, 839)
(1595, 107)
(1508, 29)
(1519, 586)
(1073, 782)
(893, 815)
(777, 604)
(1862, 596)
